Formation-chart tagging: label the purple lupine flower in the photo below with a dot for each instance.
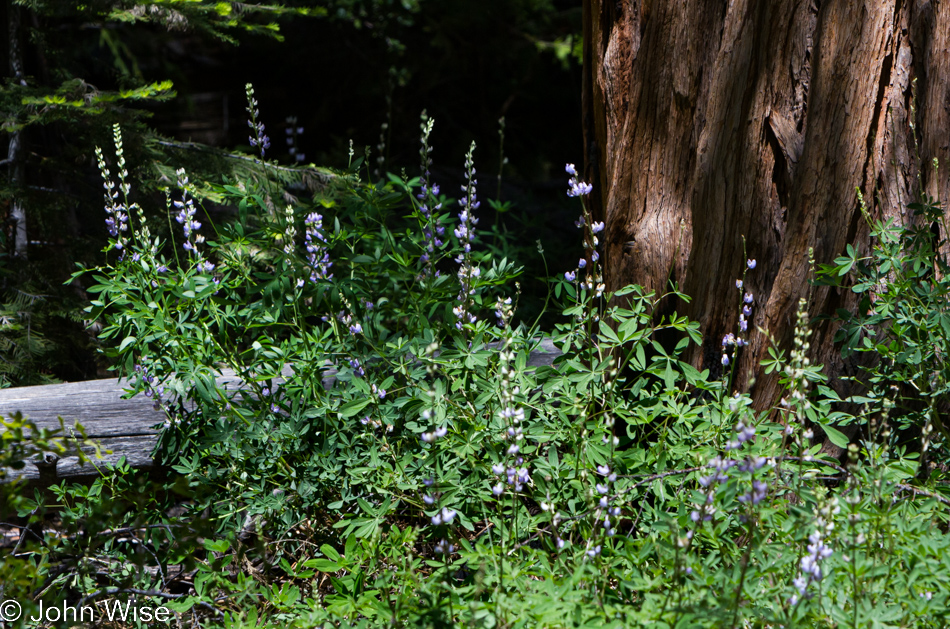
(597, 227)
(293, 131)
(725, 360)
(744, 433)
(570, 276)
(739, 284)
(465, 233)
(444, 548)
(356, 328)
(186, 215)
(432, 231)
(810, 565)
(317, 253)
(444, 517)
(757, 495)
(258, 138)
(117, 214)
(577, 188)
(750, 263)
(747, 298)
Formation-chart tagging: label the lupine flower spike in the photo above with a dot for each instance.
(513, 469)
(428, 197)
(465, 233)
(124, 210)
(117, 216)
(817, 551)
(190, 226)
(732, 340)
(293, 133)
(317, 254)
(593, 279)
(257, 137)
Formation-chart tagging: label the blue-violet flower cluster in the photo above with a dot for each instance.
(258, 138)
(317, 251)
(465, 233)
(428, 196)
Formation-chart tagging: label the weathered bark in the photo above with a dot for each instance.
(709, 121)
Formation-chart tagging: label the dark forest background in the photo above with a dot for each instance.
(345, 70)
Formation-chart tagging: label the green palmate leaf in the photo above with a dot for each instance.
(323, 565)
(353, 407)
(835, 436)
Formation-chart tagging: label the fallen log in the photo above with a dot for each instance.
(122, 427)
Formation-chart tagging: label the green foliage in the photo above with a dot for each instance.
(399, 462)
(22, 443)
(62, 98)
(903, 324)
(358, 437)
(213, 17)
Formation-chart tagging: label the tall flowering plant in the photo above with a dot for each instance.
(468, 271)
(398, 459)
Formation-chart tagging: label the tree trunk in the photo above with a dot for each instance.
(707, 122)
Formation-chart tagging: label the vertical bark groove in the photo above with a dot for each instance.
(757, 119)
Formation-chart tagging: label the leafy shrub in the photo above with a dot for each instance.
(903, 323)
(352, 409)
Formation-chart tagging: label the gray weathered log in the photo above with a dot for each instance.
(124, 427)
